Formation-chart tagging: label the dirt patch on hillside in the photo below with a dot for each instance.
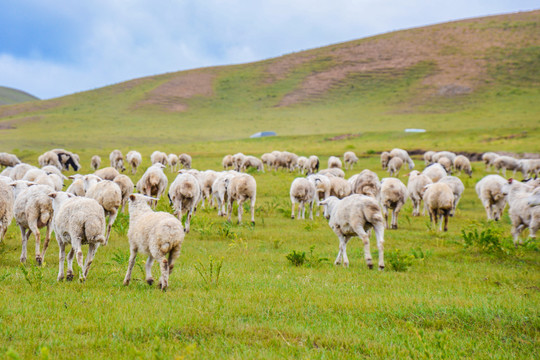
(13, 124)
(343, 137)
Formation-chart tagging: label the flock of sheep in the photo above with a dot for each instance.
(353, 206)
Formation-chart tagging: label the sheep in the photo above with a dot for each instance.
(50, 158)
(428, 157)
(6, 208)
(68, 158)
(339, 187)
(534, 198)
(251, 161)
(134, 159)
(334, 162)
(239, 189)
(20, 170)
(33, 210)
(350, 159)
(153, 182)
(404, 155)
(108, 194)
(7, 172)
(126, 187)
(312, 165)
(238, 159)
(488, 158)
(354, 216)
(185, 161)
(521, 212)
(159, 157)
(439, 200)
(394, 165)
(529, 167)
(108, 173)
(489, 191)
(173, 161)
(506, 163)
(157, 234)
(302, 192)
(462, 163)
(435, 172)
(32, 174)
(440, 154)
(49, 169)
(267, 159)
(219, 190)
(385, 158)
(286, 160)
(77, 221)
(276, 163)
(54, 181)
(77, 186)
(227, 161)
(9, 159)
(457, 189)
(367, 183)
(95, 162)
(415, 185)
(322, 188)
(335, 172)
(393, 196)
(185, 194)
(117, 160)
(446, 163)
(301, 163)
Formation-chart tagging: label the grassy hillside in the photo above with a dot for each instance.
(479, 75)
(14, 96)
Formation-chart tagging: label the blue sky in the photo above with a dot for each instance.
(51, 48)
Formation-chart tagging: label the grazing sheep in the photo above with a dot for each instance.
(428, 157)
(302, 192)
(228, 161)
(253, 162)
(68, 159)
(435, 172)
(54, 181)
(117, 160)
(446, 163)
(339, 187)
(134, 159)
(312, 165)
(238, 159)
(394, 165)
(267, 159)
(219, 190)
(334, 162)
(322, 188)
(403, 155)
(385, 158)
(367, 183)
(489, 190)
(241, 188)
(77, 221)
(6, 208)
(521, 213)
(447, 154)
(108, 194)
(488, 158)
(95, 162)
(301, 163)
(336, 172)
(415, 187)
(159, 157)
(77, 186)
(126, 187)
(173, 161)
(207, 179)
(33, 211)
(506, 163)
(185, 161)
(153, 183)
(529, 167)
(50, 158)
(393, 195)
(462, 163)
(185, 194)
(18, 172)
(354, 216)
(457, 189)
(108, 173)
(439, 200)
(8, 159)
(350, 159)
(156, 234)
(286, 160)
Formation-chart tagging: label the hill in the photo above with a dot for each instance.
(481, 75)
(13, 96)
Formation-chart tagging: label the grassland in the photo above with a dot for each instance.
(13, 96)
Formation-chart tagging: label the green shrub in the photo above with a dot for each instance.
(489, 240)
(398, 261)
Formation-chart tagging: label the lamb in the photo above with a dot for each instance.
(159, 157)
(385, 158)
(134, 159)
(67, 159)
(488, 158)
(521, 212)
(108, 194)
(322, 188)
(228, 161)
(367, 183)
(185, 161)
(251, 161)
(446, 163)
(339, 187)
(6, 208)
(95, 162)
(506, 163)
(50, 158)
(404, 155)
(117, 160)
(393, 195)
(153, 182)
(108, 173)
(350, 159)
(333, 172)
(334, 162)
(33, 210)
(457, 189)
(461, 163)
(302, 192)
(415, 185)
(77, 221)
(241, 188)
(354, 216)
(185, 194)
(394, 165)
(157, 234)
(489, 190)
(173, 161)
(126, 187)
(439, 200)
(428, 157)
(8, 159)
(312, 165)
(435, 172)
(77, 186)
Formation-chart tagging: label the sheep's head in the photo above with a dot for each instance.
(328, 204)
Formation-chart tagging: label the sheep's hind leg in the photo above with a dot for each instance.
(148, 268)
(132, 257)
(365, 239)
(70, 257)
(24, 237)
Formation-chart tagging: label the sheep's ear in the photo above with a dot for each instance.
(52, 195)
(510, 180)
(13, 184)
(132, 197)
(71, 177)
(70, 195)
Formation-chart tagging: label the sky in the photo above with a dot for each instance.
(51, 48)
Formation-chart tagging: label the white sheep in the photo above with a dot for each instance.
(354, 216)
(117, 160)
(393, 196)
(184, 194)
(334, 162)
(446, 163)
(185, 161)
(489, 190)
(428, 157)
(440, 154)
(339, 187)
(534, 198)
(506, 163)
(385, 158)
(77, 186)
(415, 187)
(219, 190)
(241, 188)
(350, 159)
(522, 214)
(126, 187)
(333, 172)
(134, 159)
(287, 160)
(253, 162)
(50, 158)
(367, 183)
(435, 172)
(322, 188)
(107, 173)
(95, 162)
(156, 234)
(68, 158)
(77, 221)
(207, 179)
(267, 159)
(6, 207)
(19, 170)
(228, 161)
(439, 200)
(301, 163)
(394, 165)
(159, 157)
(173, 161)
(312, 165)
(457, 187)
(404, 155)
(49, 169)
(529, 167)
(153, 183)
(462, 163)
(488, 158)
(238, 159)
(302, 192)
(8, 159)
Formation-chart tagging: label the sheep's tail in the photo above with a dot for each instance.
(45, 217)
